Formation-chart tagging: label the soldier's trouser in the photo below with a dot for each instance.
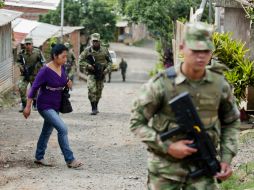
(22, 85)
(123, 75)
(160, 183)
(94, 88)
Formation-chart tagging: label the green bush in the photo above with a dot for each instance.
(233, 53)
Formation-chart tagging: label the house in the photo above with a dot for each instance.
(234, 20)
(130, 32)
(6, 55)
(42, 32)
(32, 8)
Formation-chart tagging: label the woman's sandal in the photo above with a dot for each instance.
(42, 162)
(75, 164)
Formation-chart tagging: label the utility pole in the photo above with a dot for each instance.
(198, 14)
(62, 19)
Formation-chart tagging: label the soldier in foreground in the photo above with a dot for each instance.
(30, 60)
(177, 162)
(97, 63)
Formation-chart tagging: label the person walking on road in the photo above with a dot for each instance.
(123, 66)
(97, 63)
(51, 80)
(171, 162)
(30, 60)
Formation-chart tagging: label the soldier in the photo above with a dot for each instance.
(70, 65)
(168, 161)
(97, 63)
(30, 60)
(123, 66)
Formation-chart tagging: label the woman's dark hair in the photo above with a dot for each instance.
(57, 50)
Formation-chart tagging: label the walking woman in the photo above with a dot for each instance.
(51, 80)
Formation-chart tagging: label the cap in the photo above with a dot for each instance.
(28, 40)
(67, 44)
(198, 36)
(95, 37)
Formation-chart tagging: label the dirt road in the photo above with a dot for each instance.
(113, 158)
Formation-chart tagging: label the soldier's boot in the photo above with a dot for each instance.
(22, 106)
(94, 111)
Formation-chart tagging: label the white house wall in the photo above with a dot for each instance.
(6, 58)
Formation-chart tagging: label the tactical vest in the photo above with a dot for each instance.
(99, 56)
(206, 98)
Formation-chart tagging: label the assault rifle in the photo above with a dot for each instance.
(189, 123)
(25, 71)
(98, 68)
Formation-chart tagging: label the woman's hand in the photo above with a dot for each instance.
(27, 111)
(69, 84)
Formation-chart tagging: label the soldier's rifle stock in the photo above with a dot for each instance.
(189, 123)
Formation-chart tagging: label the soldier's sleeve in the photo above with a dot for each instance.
(230, 124)
(82, 60)
(144, 107)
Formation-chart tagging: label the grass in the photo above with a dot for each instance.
(243, 176)
(8, 99)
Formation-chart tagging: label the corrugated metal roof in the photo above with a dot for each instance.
(25, 26)
(7, 16)
(40, 32)
(40, 4)
(68, 30)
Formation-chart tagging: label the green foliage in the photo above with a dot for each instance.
(98, 17)
(250, 11)
(1, 3)
(47, 51)
(159, 15)
(232, 53)
(242, 178)
(95, 16)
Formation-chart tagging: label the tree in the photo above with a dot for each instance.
(99, 17)
(1, 3)
(159, 15)
(95, 16)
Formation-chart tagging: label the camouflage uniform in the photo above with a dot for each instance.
(29, 69)
(123, 66)
(70, 65)
(151, 115)
(101, 57)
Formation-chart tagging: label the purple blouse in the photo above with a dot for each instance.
(50, 85)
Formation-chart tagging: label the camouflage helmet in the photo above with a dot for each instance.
(198, 36)
(28, 40)
(95, 37)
